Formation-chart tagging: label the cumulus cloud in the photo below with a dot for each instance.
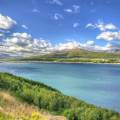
(109, 36)
(101, 48)
(6, 22)
(102, 26)
(67, 46)
(89, 45)
(24, 26)
(74, 9)
(57, 16)
(57, 2)
(24, 43)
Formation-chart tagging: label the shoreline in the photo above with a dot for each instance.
(49, 62)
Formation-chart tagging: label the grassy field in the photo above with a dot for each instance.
(48, 99)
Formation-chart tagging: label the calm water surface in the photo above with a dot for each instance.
(98, 84)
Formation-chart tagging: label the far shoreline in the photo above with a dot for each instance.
(54, 62)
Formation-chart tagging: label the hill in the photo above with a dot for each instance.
(52, 100)
(77, 55)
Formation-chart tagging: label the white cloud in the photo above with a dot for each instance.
(67, 46)
(92, 46)
(57, 16)
(6, 22)
(75, 25)
(68, 10)
(24, 26)
(100, 48)
(74, 9)
(35, 10)
(24, 43)
(109, 36)
(102, 26)
(89, 45)
(57, 2)
(90, 25)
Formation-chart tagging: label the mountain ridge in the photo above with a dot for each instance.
(76, 55)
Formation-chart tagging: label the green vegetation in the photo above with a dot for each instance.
(47, 98)
(77, 55)
(5, 117)
(13, 109)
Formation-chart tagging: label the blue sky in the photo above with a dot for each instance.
(60, 21)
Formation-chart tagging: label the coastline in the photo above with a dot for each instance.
(54, 62)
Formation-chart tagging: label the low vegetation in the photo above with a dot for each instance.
(47, 98)
(12, 109)
(77, 55)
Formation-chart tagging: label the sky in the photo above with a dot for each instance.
(36, 26)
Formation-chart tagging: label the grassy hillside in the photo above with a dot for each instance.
(78, 55)
(49, 99)
(12, 109)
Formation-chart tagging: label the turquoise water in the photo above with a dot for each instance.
(98, 84)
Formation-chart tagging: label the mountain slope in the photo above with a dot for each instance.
(77, 55)
(80, 53)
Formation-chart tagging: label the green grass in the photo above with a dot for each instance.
(52, 100)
